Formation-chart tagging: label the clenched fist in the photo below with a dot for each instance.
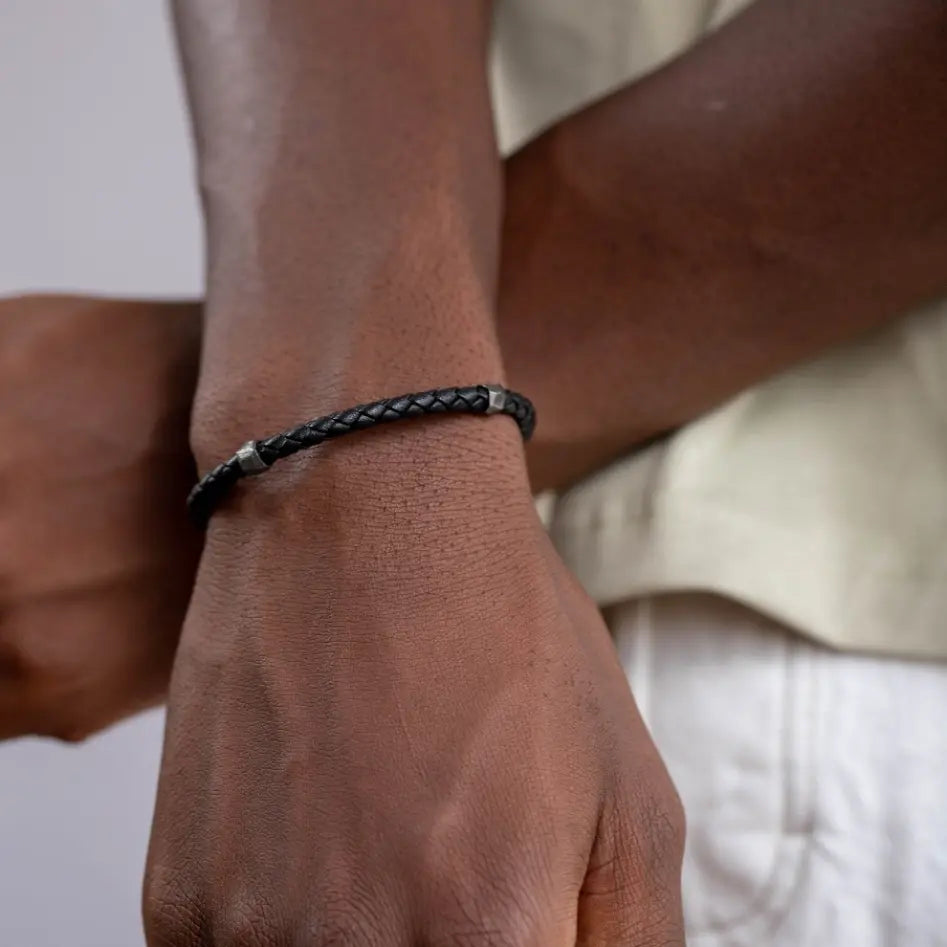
(395, 720)
(96, 554)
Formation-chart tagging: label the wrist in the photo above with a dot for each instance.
(281, 357)
(220, 426)
(409, 491)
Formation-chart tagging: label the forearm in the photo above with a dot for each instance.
(361, 720)
(351, 188)
(779, 189)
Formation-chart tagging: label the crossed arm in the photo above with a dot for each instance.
(774, 192)
(777, 190)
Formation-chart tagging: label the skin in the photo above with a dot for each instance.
(797, 250)
(583, 258)
(778, 190)
(96, 556)
(362, 743)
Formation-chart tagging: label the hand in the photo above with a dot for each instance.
(395, 720)
(96, 554)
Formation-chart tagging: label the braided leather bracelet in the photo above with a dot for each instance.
(257, 456)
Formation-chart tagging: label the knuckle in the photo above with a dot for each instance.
(663, 929)
(249, 921)
(658, 847)
(16, 664)
(487, 934)
(72, 733)
(651, 826)
(173, 912)
(639, 859)
(489, 921)
(480, 934)
(640, 849)
(346, 921)
(54, 698)
(665, 826)
(31, 655)
(331, 934)
(485, 888)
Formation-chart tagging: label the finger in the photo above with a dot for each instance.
(483, 925)
(632, 891)
(16, 718)
(19, 711)
(523, 896)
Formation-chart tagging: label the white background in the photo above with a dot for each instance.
(96, 194)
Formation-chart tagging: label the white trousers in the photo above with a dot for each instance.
(815, 783)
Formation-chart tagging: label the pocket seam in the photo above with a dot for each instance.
(774, 897)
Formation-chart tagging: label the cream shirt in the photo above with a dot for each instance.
(819, 497)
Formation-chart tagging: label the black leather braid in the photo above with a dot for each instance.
(472, 399)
